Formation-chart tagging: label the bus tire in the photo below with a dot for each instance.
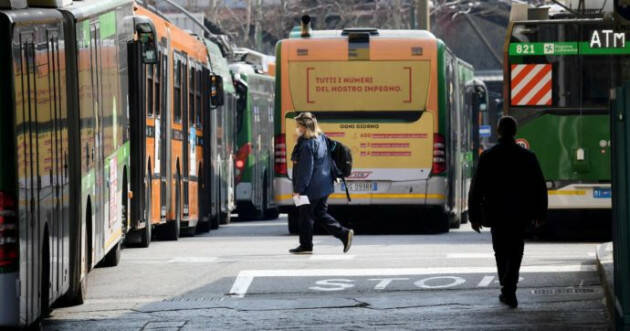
(292, 220)
(226, 217)
(454, 221)
(204, 225)
(214, 221)
(145, 235)
(173, 227)
(113, 256)
(441, 221)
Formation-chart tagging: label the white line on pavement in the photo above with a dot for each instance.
(246, 277)
(469, 256)
(485, 281)
(193, 259)
(331, 257)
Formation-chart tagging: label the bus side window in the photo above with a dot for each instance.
(184, 84)
(157, 79)
(149, 89)
(177, 91)
(191, 94)
(198, 77)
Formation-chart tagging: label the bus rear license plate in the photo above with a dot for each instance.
(360, 187)
(602, 193)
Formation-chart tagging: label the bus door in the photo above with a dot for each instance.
(28, 174)
(164, 126)
(141, 57)
(97, 127)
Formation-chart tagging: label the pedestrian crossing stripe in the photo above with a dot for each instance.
(531, 85)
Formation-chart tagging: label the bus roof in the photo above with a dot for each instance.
(81, 10)
(403, 34)
(32, 16)
(562, 21)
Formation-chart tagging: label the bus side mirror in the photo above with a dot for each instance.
(146, 38)
(216, 91)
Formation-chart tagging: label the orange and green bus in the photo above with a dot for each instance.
(396, 98)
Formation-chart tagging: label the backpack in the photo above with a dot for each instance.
(341, 157)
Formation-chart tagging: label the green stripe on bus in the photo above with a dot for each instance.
(563, 48)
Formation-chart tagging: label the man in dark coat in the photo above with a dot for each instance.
(507, 193)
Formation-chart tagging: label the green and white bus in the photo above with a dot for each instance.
(65, 150)
(254, 129)
(558, 77)
(223, 138)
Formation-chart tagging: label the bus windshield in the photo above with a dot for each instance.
(581, 74)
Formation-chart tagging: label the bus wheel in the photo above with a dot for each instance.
(113, 256)
(173, 227)
(145, 236)
(292, 220)
(214, 221)
(204, 225)
(226, 217)
(454, 221)
(441, 221)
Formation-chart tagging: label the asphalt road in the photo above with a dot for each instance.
(241, 277)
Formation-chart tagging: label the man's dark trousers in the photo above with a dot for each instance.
(508, 244)
(317, 211)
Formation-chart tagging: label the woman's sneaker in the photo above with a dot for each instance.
(301, 251)
(347, 241)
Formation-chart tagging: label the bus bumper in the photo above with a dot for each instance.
(429, 192)
(581, 196)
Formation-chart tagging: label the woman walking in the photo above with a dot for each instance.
(312, 177)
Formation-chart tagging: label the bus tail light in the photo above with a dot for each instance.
(439, 154)
(241, 159)
(280, 164)
(9, 247)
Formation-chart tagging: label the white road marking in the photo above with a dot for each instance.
(485, 281)
(245, 277)
(469, 256)
(526, 256)
(454, 281)
(384, 282)
(337, 285)
(193, 259)
(331, 257)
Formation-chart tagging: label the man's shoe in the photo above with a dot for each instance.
(347, 241)
(509, 300)
(301, 251)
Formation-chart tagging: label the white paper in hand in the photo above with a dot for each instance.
(301, 200)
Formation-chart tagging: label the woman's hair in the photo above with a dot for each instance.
(309, 122)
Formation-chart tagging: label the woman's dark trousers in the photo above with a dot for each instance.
(317, 211)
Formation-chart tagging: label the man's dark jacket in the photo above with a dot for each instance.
(508, 188)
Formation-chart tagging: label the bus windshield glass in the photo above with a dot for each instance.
(582, 61)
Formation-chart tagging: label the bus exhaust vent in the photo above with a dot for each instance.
(12, 4)
(49, 3)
